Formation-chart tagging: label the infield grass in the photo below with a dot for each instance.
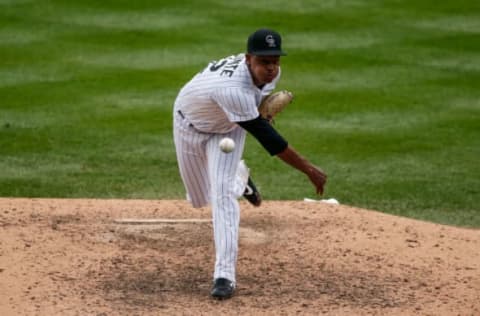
(387, 98)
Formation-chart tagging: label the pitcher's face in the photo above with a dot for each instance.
(263, 68)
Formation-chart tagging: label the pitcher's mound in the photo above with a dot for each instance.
(135, 257)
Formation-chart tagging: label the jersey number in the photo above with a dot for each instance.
(217, 65)
(229, 65)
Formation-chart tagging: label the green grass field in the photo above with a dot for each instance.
(387, 98)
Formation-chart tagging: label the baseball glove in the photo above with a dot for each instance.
(274, 104)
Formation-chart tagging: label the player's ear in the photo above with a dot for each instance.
(248, 58)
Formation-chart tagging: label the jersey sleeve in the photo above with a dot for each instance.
(238, 104)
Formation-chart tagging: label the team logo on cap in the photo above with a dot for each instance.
(270, 40)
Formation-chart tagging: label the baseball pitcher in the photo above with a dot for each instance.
(228, 98)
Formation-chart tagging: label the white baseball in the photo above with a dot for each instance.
(227, 145)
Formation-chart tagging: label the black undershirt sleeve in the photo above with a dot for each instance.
(266, 135)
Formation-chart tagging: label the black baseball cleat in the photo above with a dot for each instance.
(251, 193)
(222, 289)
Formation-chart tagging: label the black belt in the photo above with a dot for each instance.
(183, 117)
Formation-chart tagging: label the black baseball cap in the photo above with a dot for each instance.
(265, 42)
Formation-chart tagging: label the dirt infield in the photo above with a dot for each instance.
(70, 257)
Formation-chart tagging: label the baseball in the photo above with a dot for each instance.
(227, 145)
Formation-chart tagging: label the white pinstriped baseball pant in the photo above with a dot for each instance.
(211, 176)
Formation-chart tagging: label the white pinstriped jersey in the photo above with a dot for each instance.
(222, 94)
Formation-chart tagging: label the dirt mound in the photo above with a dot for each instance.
(71, 257)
